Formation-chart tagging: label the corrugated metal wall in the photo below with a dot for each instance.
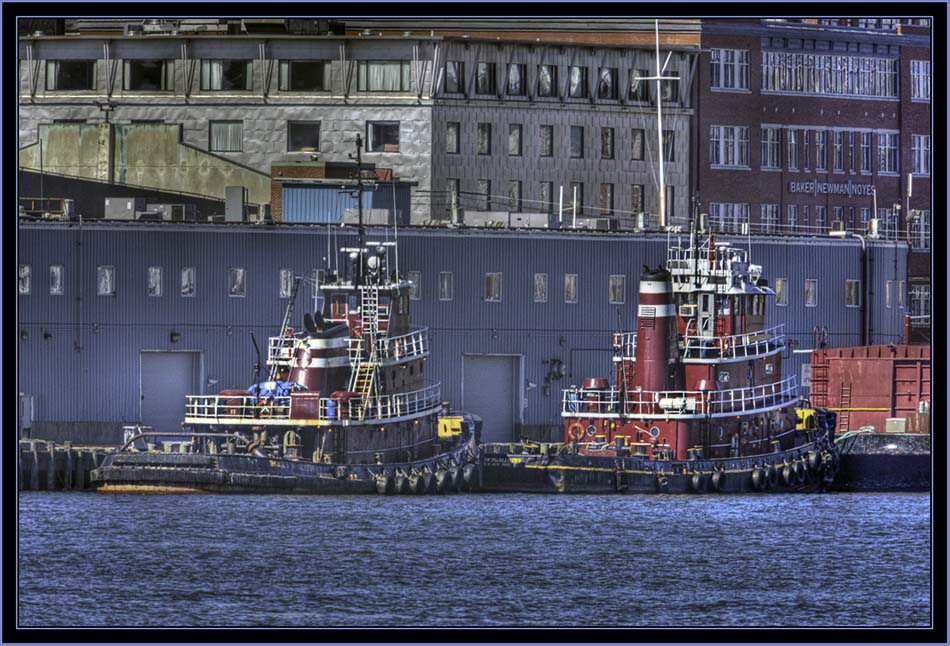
(90, 371)
(322, 204)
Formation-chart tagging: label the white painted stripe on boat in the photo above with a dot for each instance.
(655, 287)
(655, 311)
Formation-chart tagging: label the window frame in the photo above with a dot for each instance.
(522, 79)
(450, 141)
(24, 280)
(459, 80)
(106, 272)
(611, 281)
(854, 287)
(577, 148)
(299, 123)
(166, 74)
(285, 75)
(483, 135)
(183, 286)
(230, 123)
(371, 144)
(154, 288)
(415, 292)
(580, 89)
(544, 288)
(54, 69)
(237, 278)
(781, 292)
(489, 86)
(490, 278)
(814, 302)
(512, 129)
(573, 280)
(205, 74)
(363, 76)
(59, 287)
(443, 284)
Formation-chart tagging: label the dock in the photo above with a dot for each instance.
(46, 466)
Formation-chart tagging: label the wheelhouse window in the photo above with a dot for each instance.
(415, 291)
(304, 76)
(446, 286)
(383, 76)
(70, 75)
(382, 136)
(303, 136)
(225, 74)
(148, 75)
(56, 287)
(577, 86)
(540, 288)
(105, 280)
(616, 290)
(485, 78)
(454, 77)
(547, 80)
(516, 80)
(607, 84)
(237, 286)
(493, 287)
(570, 288)
(187, 281)
(23, 280)
(154, 286)
(225, 136)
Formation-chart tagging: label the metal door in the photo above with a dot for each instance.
(166, 379)
(492, 389)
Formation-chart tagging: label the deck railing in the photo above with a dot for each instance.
(583, 402)
(268, 410)
(735, 346)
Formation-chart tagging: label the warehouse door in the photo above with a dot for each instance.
(166, 379)
(491, 389)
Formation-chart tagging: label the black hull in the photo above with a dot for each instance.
(154, 472)
(884, 462)
(794, 470)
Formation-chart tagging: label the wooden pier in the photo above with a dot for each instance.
(46, 466)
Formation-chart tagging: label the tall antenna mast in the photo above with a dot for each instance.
(659, 121)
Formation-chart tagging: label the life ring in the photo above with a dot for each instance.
(576, 432)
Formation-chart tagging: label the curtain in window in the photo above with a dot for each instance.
(384, 76)
(226, 136)
(212, 73)
(545, 81)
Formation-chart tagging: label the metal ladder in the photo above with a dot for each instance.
(844, 408)
(286, 322)
(369, 312)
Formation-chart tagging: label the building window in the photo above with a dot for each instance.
(806, 150)
(728, 218)
(821, 219)
(70, 75)
(226, 136)
(792, 135)
(154, 287)
(781, 291)
(887, 153)
(105, 280)
(484, 78)
(514, 196)
(920, 80)
(483, 139)
(730, 69)
(670, 90)
(669, 201)
(669, 146)
(23, 280)
(821, 159)
(514, 139)
(452, 186)
(792, 218)
(607, 85)
(920, 148)
(454, 77)
(919, 298)
(286, 284)
(900, 294)
(493, 287)
(547, 80)
(811, 292)
(888, 289)
(303, 136)
(852, 150)
(852, 293)
(636, 148)
(851, 217)
(729, 146)
(415, 288)
(545, 195)
(577, 142)
(636, 199)
(516, 80)
(639, 91)
(769, 217)
(484, 192)
(383, 76)
(225, 75)
(806, 216)
(382, 136)
(304, 76)
(148, 75)
(771, 147)
(540, 288)
(606, 143)
(237, 286)
(837, 215)
(829, 74)
(187, 281)
(446, 286)
(887, 223)
(616, 290)
(577, 86)
(546, 141)
(838, 150)
(920, 229)
(452, 137)
(865, 152)
(606, 199)
(570, 288)
(56, 286)
(577, 198)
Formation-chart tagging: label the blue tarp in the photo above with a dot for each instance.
(276, 389)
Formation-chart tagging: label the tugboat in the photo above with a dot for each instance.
(346, 408)
(698, 405)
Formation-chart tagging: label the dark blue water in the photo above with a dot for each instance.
(849, 560)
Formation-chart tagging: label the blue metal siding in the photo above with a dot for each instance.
(100, 381)
(318, 204)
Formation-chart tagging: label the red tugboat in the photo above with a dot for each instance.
(699, 402)
(346, 408)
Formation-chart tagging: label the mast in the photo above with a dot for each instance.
(659, 128)
(359, 206)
